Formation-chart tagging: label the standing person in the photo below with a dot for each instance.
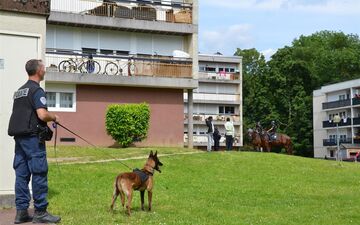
(217, 137)
(229, 134)
(28, 125)
(210, 132)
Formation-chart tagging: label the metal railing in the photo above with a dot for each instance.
(356, 120)
(330, 123)
(116, 65)
(336, 104)
(219, 76)
(216, 117)
(356, 101)
(176, 12)
(332, 142)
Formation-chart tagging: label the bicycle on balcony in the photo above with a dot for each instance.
(119, 67)
(82, 65)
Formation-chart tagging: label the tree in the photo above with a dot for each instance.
(290, 77)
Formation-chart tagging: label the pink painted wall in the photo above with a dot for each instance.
(166, 114)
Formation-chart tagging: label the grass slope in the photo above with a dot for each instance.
(215, 188)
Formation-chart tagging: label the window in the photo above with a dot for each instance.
(332, 153)
(210, 69)
(51, 99)
(61, 101)
(118, 52)
(226, 110)
(106, 51)
(66, 100)
(202, 68)
(341, 97)
(89, 50)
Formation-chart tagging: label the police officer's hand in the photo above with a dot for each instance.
(57, 118)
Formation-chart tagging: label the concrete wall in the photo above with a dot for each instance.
(64, 37)
(21, 38)
(166, 108)
(319, 133)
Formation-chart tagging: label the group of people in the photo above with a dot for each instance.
(214, 135)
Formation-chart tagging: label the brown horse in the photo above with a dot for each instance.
(255, 139)
(282, 140)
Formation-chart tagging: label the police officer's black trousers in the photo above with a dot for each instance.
(30, 161)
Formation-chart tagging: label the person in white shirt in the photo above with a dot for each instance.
(229, 134)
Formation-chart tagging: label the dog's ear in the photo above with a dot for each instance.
(151, 153)
(155, 154)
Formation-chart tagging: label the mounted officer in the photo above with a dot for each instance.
(272, 131)
(28, 126)
(258, 127)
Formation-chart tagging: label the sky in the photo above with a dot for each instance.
(268, 25)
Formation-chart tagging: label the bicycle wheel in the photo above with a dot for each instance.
(90, 66)
(67, 66)
(111, 69)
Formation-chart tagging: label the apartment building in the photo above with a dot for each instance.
(22, 37)
(219, 95)
(341, 99)
(121, 51)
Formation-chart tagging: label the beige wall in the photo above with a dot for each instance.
(21, 38)
(319, 133)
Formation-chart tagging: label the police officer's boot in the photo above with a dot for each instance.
(22, 216)
(45, 217)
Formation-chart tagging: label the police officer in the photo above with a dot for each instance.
(272, 130)
(28, 125)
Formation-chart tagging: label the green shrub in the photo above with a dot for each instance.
(128, 123)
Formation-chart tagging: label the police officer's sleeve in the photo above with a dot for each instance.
(40, 99)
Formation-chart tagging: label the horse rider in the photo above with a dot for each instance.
(258, 127)
(272, 130)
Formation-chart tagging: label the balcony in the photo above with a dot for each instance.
(356, 121)
(200, 140)
(342, 123)
(218, 119)
(336, 104)
(356, 101)
(219, 77)
(142, 15)
(71, 66)
(332, 142)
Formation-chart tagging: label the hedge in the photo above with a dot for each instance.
(127, 123)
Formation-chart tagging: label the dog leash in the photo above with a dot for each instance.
(55, 124)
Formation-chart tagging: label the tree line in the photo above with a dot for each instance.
(281, 89)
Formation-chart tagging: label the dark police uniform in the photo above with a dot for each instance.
(30, 153)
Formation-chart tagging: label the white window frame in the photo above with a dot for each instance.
(62, 88)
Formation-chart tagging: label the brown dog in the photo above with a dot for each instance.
(140, 180)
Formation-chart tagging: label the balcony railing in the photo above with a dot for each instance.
(332, 142)
(356, 121)
(356, 101)
(158, 10)
(336, 104)
(217, 118)
(117, 65)
(343, 122)
(219, 76)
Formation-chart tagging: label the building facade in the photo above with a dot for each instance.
(219, 95)
(342, 99)
(100, 53)
(22, 37)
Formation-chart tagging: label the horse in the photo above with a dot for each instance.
(255, 139)
(282, 140)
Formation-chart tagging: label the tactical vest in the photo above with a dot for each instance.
(24, 120)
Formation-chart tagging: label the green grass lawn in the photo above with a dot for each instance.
(213, 188)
